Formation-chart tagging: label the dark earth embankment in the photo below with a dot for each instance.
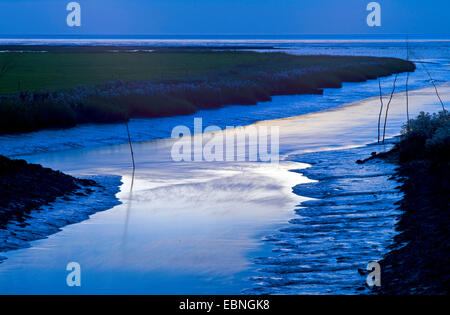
(419, 260)
(36, 202)
(25, 187)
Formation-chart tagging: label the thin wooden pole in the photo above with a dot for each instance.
(131, 147)
(434, 85)
(381, 110)
(387, 108)
(406, 89)
(130, 196)
(435, 88)
(407, 102)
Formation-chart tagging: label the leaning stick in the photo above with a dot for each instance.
(387, 108)
(381, 109)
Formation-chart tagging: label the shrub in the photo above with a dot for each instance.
(428, 136)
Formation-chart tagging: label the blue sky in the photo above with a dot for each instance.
(147, 17)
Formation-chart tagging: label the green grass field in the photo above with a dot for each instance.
(69, 86)
(52, 71)
(43, 71)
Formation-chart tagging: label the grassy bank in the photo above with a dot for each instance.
(62, 89)
(418, 264)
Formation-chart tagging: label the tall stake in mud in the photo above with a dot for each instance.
(435, 88)
(434, 85)
(130, 196)
(407, 102)
(387, 108)
(131, 147)
(406, 89)
(381, 109)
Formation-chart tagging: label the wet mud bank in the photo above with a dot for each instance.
(36, 202)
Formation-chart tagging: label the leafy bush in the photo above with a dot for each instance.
(427, 136)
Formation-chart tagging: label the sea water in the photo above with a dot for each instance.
(222, 227)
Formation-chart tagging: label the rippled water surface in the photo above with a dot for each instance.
(349, 223)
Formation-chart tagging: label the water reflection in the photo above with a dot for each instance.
(129, 206)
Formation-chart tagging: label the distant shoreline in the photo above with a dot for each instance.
(229, 37)
(108, 47)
